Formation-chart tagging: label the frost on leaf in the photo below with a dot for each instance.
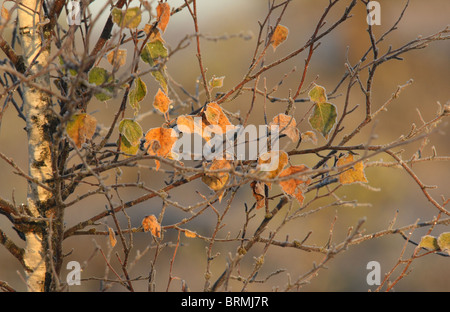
(159, 142)
(163, 15)
(129, 18)
(81, 127)
(271, 163)
(287, 125)
(429, 242)
(215, 116)
(297, 185)
(161, 102)
(117, 57)
(217, 181)
(324, 115)
(137, 94)
(131, 134)
(351, 174)
(280, 34)
(258, 193)
(100, 76)
(151, 224)
(216, 82)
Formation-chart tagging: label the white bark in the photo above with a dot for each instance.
(36, 111)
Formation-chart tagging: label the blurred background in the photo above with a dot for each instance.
(237, 21)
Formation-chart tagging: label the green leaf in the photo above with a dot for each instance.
(160, 76)
(152, 51)
(137, 94)
(127, 147)
(429, 242)
(444, 242)
(318, 94)
(130, 18)
(99, 76)
(323, 118)
(132, 131)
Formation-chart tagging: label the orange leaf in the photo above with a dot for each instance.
(271, 163)
(112, 237)
(215, 116)
(294, 187)
(279, 36)
(163, 15)
(161, 102)
(81, 127)
(150, 223)
(117, 57)
(258, 193)
(188, 124)
(351, 174)
(159, 142)
(216, 181)
(287, 123)
(190, 234)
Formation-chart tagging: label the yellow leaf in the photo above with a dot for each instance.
(112, 237)
(287, 123)
(163, 15)
(279, 36)
(294, 187)
(117, 57)
(161, 102)
(351, 174)
(159, 142)
(190, 234)
(151, 224)
(81, 127)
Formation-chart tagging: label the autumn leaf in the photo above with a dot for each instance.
(155, 35)
(190, 234)
(126, 147)
(296, 186)
(151, 224)
(324, 115)
(280, 34)
(163, 15)
(318, 94)
(117, 57)
(161, 102)
(258, 193)
(216, 82)
(112, 237)
(100, 76)
(153, 51)
(216, 181)
(429, 242)
(131, 130)
(137, 94)
(159, 142)
(323, 118)
(215, 116)
(309, 136)
(350, 174)
(129, 18)
(287, 123)
(81, 127)
(271, 163)
(444, 242)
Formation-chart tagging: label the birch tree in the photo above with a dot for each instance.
(54, 69)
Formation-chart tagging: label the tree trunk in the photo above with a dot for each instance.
(43, 249)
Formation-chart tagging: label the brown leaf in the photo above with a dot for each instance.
(258, 193)
(81, 127)
(163, 15)
(150, 223)
(294, 187)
